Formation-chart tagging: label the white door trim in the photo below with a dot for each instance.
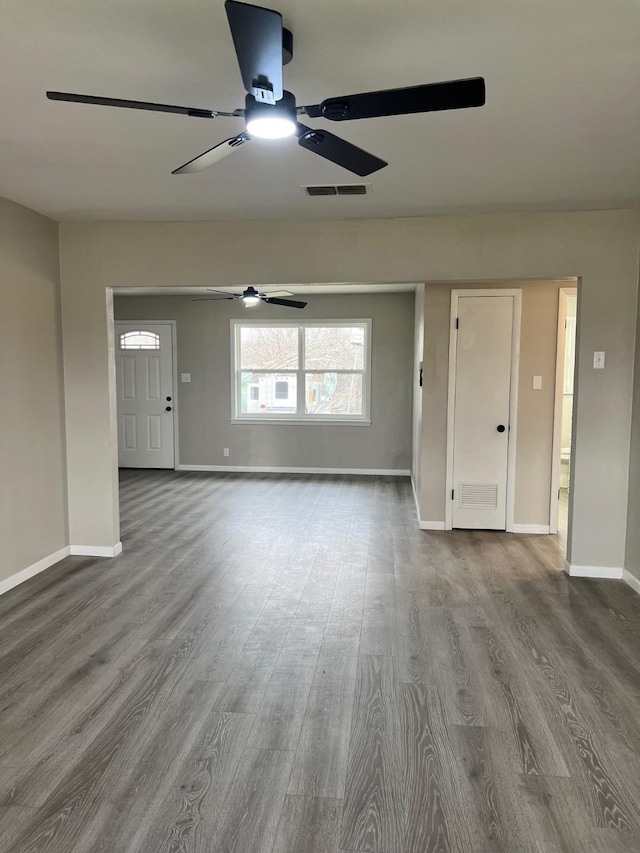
(557, 406)
(513, 397)
(174, 367)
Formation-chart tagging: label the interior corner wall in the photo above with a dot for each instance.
(632, 558)
(418, 356)
(598, 247)
(203, 333)
(33, 504)
(534, 439)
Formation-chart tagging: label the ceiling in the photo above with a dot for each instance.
(560, 129)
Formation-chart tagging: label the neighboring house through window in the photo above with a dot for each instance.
(302, 372)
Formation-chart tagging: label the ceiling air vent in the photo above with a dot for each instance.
(352, 189)
(337, 189)
(314, 191)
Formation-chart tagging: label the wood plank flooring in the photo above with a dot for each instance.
(288, 665)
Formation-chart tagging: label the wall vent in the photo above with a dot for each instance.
(478, 495)
(337, 189)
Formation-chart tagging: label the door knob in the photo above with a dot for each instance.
(168, 399)
(501, 427)
(168, 409)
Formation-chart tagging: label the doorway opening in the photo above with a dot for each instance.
(563, 416)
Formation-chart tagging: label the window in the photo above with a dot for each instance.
(302, 372)
(282, 391)
(139, 340)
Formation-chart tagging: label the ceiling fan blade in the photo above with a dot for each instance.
(339, 151)
(211, 298)
(131, 105)
(453, 95)
(257, 37)
(288, 303)
(224, 293)
(218, 152)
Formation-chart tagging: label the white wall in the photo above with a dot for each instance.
(204, 405)
(601, 248)
(567, 399)
(33, 506)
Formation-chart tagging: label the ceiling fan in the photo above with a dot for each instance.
(263, 46)
(251, 297)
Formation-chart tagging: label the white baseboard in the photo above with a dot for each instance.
(96, 550)
(531, 528)
(631, 580)
(34, 569)
(424, 525)
(51, 559)
(604, 572)
(415, 498)
(264, 469)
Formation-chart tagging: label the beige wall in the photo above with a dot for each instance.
(632, 563)
(538, 334)
(599, 247)
(33, 515)
(204, 405)
(418, 355)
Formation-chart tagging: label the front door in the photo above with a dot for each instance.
(144, 378)
(481, 415)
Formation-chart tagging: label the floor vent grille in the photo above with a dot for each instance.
(337, 189)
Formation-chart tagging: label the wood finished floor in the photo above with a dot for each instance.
(290, 666)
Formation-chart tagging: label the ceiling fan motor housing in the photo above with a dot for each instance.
(285, 108)
(287, 46)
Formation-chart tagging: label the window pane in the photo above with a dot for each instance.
(268, 394)
(334, 347)
(282, 389)
(268, 348)
(333, 393)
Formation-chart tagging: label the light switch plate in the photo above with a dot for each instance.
(537, 383)
(185, 377)
(598, 361)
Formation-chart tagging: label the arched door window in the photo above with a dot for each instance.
(139, 340)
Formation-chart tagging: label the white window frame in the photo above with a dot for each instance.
(301, 417)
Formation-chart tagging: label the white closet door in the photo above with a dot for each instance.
(481, 420)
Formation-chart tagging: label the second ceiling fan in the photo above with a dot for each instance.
(251, 297)
(263, 46)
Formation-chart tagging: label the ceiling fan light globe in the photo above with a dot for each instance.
(270, 127)
(250, 301)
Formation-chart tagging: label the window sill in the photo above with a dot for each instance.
(305, 421)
